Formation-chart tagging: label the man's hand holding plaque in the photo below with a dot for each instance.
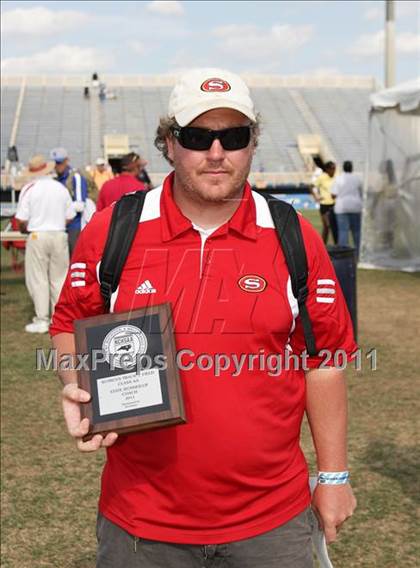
(72, 398)
(132, 377)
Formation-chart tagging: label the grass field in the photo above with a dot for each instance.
(50, 491)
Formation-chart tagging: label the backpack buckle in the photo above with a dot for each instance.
(106, 290)
(302, 294)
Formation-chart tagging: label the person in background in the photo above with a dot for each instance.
(44, 208)
(347, 191)
(95, 80)
(101, 173)
(144, 178)
(77, 185)
(127, 181)
(102, 92)
(325, 199)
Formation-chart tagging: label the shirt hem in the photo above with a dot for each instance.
(143, 530)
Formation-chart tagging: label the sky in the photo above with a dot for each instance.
(157, 37)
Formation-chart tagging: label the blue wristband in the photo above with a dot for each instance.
(333, 477)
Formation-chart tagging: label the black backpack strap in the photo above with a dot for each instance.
(122, 230)
(289, 233)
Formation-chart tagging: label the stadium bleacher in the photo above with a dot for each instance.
(55, 113)
(9, 96)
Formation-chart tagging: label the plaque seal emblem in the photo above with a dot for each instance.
(123, 344)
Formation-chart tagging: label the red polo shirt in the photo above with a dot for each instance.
(115, 188)
(235, 469)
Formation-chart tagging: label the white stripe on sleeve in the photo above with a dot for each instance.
(78, 187)
(326, 281)
(325, 291)
(325, 300)
(78, 265)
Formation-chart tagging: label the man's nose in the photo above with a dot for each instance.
(216, 151)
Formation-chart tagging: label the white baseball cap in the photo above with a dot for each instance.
(201, 90)
(59, 155)
(100, 162)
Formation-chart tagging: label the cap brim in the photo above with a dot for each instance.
(49, 167)
(186, 116)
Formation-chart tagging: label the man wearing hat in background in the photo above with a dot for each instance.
(101, 173)
(43, 210)
(230, 487)
(127, 181)
(77, 185)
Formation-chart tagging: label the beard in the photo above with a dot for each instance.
(201, 188)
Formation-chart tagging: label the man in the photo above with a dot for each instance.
(101, 173)
(323, 196)
(230, 487)
(43, 210)
(347, 191)
(127, 181)
(77, 185)
(145, 178)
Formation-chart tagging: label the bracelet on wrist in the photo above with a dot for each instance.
(333, 477)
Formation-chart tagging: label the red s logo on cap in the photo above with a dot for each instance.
(218, 85)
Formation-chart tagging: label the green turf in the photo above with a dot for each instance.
(50, 491)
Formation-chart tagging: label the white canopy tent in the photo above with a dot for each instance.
(391, 208)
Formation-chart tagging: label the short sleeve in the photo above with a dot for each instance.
(335, 187)
(80, 296)
(100, 202)
(330, 318)
(23, 208)
(70, 211)
(319, 181)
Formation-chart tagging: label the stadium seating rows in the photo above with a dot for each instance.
(60, 116)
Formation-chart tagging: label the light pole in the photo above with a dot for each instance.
(390, 44)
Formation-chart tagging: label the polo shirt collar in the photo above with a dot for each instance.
(174, 222)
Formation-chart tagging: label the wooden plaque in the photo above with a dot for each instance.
(133, 378)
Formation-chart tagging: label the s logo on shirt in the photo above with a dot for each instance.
(252, 283)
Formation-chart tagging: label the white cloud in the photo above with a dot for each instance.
(166, 8)
(137, 46)
(373, 44)
(406, 8)
(368, 44)
(323, 72)
(408, 42)
(41, 21)
(250, 42)
(374, 13)
(402, 10)
(184, 59)
(58, 59)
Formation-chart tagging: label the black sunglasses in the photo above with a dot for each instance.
(194, 138)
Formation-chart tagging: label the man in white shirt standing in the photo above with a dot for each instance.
(347, 190)
(44, 209)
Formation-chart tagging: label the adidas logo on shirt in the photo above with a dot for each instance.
(146, 288)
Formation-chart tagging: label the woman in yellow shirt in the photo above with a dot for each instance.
(326, 201)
